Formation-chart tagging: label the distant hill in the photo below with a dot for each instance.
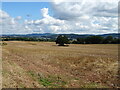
(53, 36)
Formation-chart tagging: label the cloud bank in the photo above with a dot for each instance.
(69, 17)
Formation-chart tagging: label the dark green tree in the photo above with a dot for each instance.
(61, 40)
(116, 41)
(94, 40)
(108, 40)
(81, 40)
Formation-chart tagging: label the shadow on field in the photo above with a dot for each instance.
(61, 46)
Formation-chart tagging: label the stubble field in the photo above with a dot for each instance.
(44, 64)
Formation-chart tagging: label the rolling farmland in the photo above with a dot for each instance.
(44, 64)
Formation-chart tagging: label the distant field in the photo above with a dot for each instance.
(44, 64)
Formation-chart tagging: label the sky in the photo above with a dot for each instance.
(25, 9)
(83, 17)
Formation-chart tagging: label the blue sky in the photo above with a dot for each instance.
(83, 17)
(25, 9)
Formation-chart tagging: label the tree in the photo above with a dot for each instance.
(81, 40)
(108, 40)
(116, 41)
(94, 40)
(61, 40)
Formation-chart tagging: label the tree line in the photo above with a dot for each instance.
(97, 40)
(24, 39)
(62, 39)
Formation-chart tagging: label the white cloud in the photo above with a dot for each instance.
(44, 12)
(3, 14)
(95, 17)
(11, 25)
(18, 18)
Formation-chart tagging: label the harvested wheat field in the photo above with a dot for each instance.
(44, 64)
